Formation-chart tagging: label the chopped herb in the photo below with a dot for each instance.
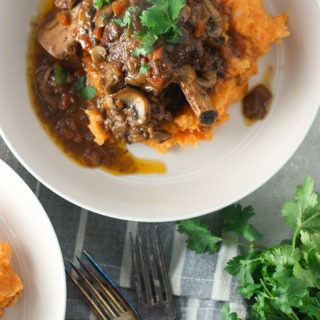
(100, 3)
(282, 281)
(144, 68)
(126, 20)
(146, 44)
(60, 74)
(104, 16)
(86, 92)
(159, 20)
(80, 83)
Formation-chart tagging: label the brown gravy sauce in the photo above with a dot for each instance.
(112, 157)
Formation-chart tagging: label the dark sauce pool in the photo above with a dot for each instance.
(67, 123)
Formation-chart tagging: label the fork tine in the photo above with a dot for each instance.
(154, 256)
(137, 279)
(144, 267)
(163, 266)
(88, 299)
(106, 308)
(120, 295)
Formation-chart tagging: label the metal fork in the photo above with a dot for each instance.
(104, 297)
(151, 278)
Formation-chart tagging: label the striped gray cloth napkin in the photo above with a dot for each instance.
(200, 284)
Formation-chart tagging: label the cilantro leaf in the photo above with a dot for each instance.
(200, 237)
(144, 68)
(247, 290)
(146, 45)
(227, 314)
(86, 92)
(289, 294)
(100, 3)
(236, 220)
(126, 20)
(159, 20)
(244, 266)
(79, 83)
(60, 74)
(303, 209)
(281, 257)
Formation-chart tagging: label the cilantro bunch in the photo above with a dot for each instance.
(282, 281)
(159, 20)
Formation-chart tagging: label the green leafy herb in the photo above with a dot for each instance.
(282, 281)
(101, 3)
(104, 16)
(159, 20)
(126, 20)
(86, 92)
(227, 315)
(146, 45)
(236, 220)
(200, 238)
(144, 68)
(60, 74)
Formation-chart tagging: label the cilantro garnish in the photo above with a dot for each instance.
(200, 238)
(86, 92)
(60, 74)
(126, 20)
(282, 281)
(101, 3)
(227, 315)
(144, 68)
(159, 20)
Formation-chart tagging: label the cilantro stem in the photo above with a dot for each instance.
(249, 245)
(267, 291)
(292, 315)
(297, 231)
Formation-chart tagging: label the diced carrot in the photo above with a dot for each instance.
(98, 33)
(118, 6)
(199, 29)
(119, 103)
(63, 18)
(225, 52)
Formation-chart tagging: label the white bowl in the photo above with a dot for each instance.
(198, 180)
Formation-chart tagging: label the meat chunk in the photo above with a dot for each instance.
(255, 103)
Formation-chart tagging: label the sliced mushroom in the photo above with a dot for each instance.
(98, 55)
(137, 101)
(216, 28)
(56, 38)
(197, 97)
(208, 79)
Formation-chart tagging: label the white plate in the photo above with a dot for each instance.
(238, 160)
(36, 253)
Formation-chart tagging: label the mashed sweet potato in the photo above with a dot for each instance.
(253, 31)
(10, 283)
